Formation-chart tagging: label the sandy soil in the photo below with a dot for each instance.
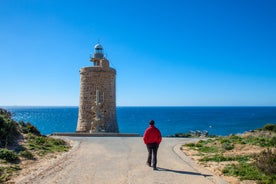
(32, 168)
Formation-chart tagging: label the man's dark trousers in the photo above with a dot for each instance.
(152, 156)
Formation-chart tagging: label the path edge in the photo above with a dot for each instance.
(205, 172)
(52, 163)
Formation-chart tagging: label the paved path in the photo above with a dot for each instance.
(121, 160)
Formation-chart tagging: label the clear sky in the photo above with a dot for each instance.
(166, 52)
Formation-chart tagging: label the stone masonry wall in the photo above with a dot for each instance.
(101, 80)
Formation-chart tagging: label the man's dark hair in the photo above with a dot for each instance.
(151, 122)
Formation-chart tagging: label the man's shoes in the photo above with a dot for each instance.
(155, 169)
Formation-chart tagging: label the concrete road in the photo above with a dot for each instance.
(122, 160)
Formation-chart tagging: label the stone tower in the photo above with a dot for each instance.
(97, 108)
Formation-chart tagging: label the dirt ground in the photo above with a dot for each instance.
(116, 160)
(32, 167)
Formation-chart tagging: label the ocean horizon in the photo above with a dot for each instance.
(217, 120)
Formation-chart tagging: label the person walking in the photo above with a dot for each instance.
(152, 138)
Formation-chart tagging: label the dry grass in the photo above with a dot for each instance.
(232, 151)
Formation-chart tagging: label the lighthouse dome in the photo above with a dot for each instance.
(98, 47)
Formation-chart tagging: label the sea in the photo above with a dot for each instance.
(170, 120)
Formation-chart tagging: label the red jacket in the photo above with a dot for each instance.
(152, 135)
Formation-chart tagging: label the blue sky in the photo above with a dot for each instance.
(166, 52)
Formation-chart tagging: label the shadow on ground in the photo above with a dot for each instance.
(182, 172)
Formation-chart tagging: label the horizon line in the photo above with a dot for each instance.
(3, 106)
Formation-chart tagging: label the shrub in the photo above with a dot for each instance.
(225, 140)
(8, 129)
(228, 146)
(19, 148)
(29, 128)
(270, 127)
(8, 155)
(26, 154)
(6, 114)
(273, 141)
(190, 144)
(58, 142)
(266, 162)
(199, 144)
(202, 142)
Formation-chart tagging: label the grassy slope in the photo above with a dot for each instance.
(20, 142)
(250, 156)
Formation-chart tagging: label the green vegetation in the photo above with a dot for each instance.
(12, 151)
(186, 135)
(269, 127)
(260, 140)
(193, 134)
(221, 158)
(209, 149)
(28, 128)
(266, 162)
(247, 171)
(204, 146)
(8, 155)
(8, 129)
(26, 154)
(44, 145)
(6, 172)
(260, 167)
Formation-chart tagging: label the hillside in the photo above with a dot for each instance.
(21, 145)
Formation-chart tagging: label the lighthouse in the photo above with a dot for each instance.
(97, 105)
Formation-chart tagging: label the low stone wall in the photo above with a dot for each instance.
(95, 134)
